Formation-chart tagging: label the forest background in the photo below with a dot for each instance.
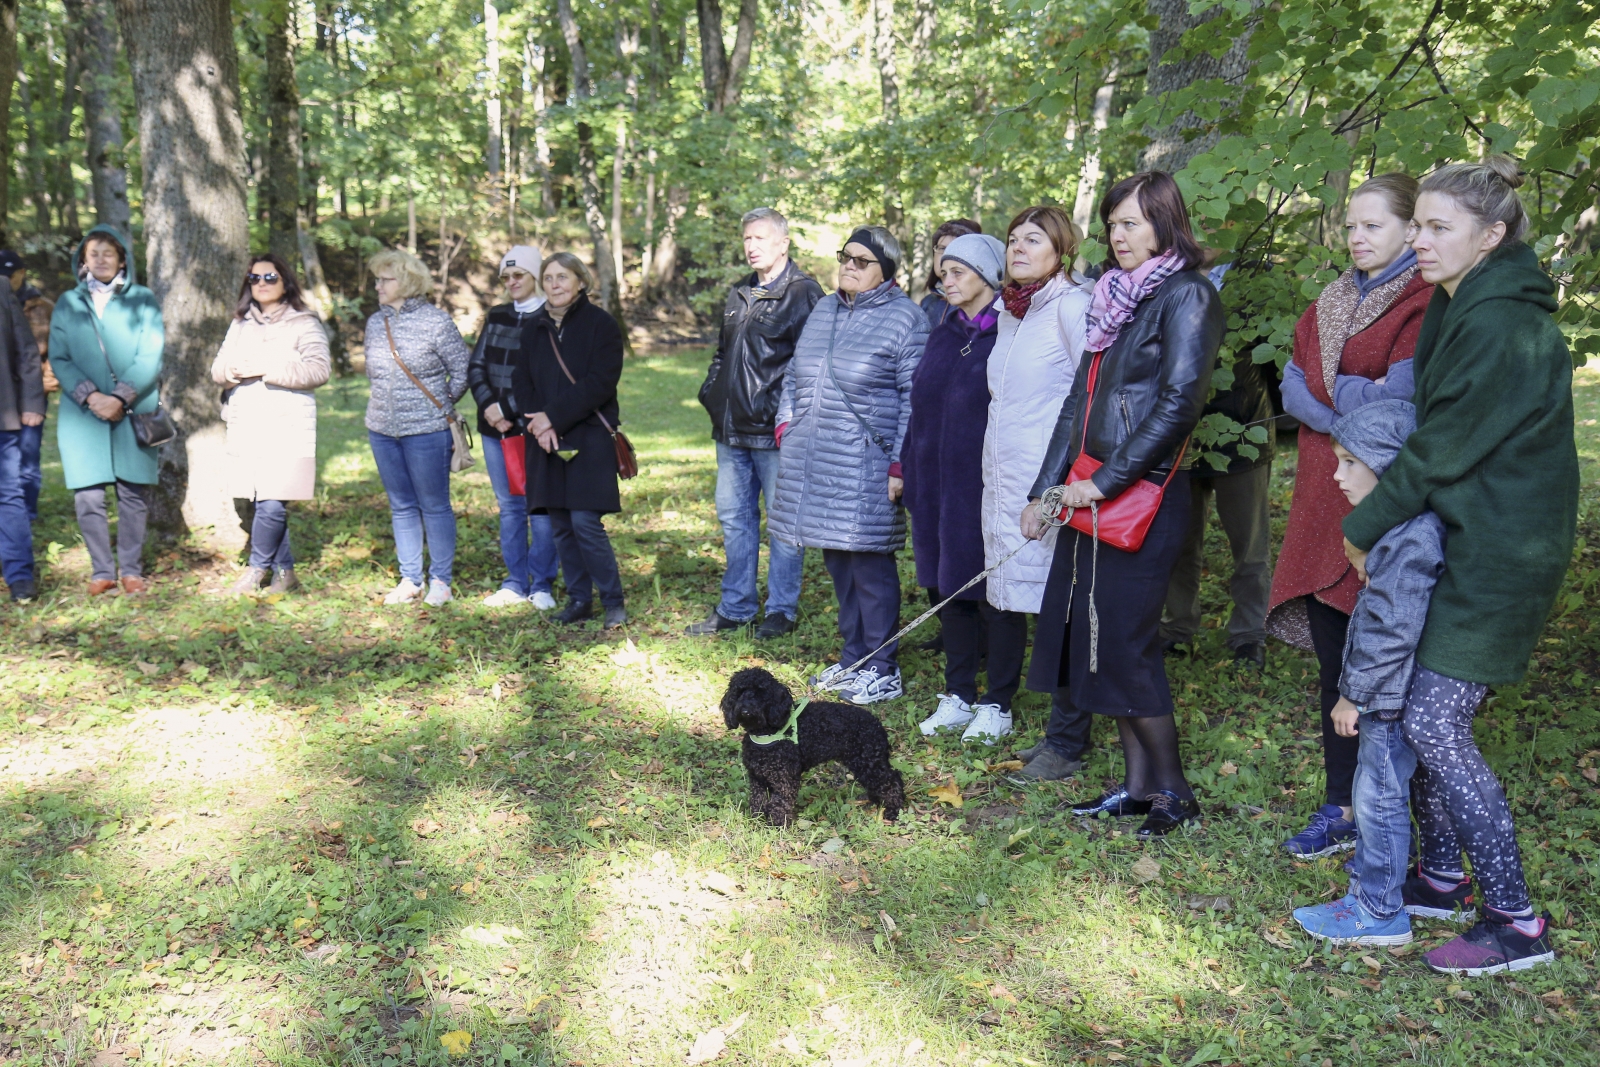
(636, 132)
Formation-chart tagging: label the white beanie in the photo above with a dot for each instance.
(523, 257)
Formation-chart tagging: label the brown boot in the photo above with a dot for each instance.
(132, 583)
(283, 581)
(101, 585)
(249, 580)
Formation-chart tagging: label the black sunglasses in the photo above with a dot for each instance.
(271, 278)
(861, 262)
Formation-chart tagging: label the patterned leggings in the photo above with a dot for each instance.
(1457, 798)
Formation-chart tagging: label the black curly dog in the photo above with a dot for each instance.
(761, 704)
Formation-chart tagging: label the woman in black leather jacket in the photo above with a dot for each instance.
(1155, 325)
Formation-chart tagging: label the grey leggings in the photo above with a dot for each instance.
(1457, 798)
(133, 509)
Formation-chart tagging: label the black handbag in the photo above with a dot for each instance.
(151, 429)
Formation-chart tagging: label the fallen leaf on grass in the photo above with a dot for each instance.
(948, 793)
(1228, 769)
(1145, 869)
(718, 882)
(384, 757)
(597, 822)
(456, 1042)
(713, 1043)
(149, 670)
(425, 827)
(1000, 992)
(1005, 765)
(1276, 940)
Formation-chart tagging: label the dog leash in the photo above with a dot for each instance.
(1050, 513)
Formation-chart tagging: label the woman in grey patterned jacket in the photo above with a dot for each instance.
(841, 420)
(406, 426)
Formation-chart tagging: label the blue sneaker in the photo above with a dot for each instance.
(1329, 832)
(1346, 922)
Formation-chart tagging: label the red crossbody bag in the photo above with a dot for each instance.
(1124, 520)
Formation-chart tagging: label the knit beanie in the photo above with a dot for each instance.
(1374, 433)
(981, 253)
(522, 257)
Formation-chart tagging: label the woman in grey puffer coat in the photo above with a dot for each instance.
(406, 427)
(841, 420)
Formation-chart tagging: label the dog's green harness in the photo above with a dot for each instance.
(790, 731)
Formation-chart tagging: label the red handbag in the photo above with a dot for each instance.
(515, 447)
(1124, 520)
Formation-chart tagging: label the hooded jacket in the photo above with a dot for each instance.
(833, 471)
(128, 366)
(1493, 455)
(1381, 646)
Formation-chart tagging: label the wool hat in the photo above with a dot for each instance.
(1374, 433)
(10, 262)
(980, 252)
(522, 257)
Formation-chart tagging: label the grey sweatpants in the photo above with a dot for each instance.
(133, 510)
(1242, 510)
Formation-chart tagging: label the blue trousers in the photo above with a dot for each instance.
(526, 542)
(269, 536)
(867, 585)
(32, 473)
(416, 474)
(16, 534)
(744, 477)
(1382, 802)
(587, 558)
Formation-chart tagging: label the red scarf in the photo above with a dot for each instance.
(1018, 298)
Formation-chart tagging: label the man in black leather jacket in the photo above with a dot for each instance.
(760, 325)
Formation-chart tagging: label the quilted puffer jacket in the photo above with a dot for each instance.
(433, 349)
(833, 467)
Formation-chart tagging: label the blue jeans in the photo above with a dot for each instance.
(416, 474)
(744, 476)
(32, 474)
(269, 536)
(16, 535)
(587, 558)
(1384, 765)
(526, 543)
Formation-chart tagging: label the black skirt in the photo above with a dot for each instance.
(1128, 589)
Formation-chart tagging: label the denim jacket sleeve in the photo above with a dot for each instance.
(1380, 651)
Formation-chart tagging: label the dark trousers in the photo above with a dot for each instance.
(1067, 732)
(32, 474)
(133, 511)
(1339, 754)
(867, 586)
(1242, 509)
(16, 533)
(269, 536)
(587, 558)
(967, 625)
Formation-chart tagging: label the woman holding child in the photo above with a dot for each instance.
(1351, 347)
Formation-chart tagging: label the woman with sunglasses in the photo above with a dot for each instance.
(274, 355)
(841, 421)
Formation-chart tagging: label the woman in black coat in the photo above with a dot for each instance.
(1155, 325)
(572, 459)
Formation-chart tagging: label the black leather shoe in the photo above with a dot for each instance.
(1168, 811)
(1250, 656)
(715, 623)
(23, 590)
(775, 626)
(576, 611)
(615, 617)
(1115, 802)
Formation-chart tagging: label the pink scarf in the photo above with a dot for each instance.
(1118, 293)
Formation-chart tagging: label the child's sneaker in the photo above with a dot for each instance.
(1493, 945)
(1328, 832)
(869, 687)
(952, 713)
(1347, 922)
(1423, 900)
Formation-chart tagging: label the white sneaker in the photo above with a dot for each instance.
(542, 600)
(504, 598)
(404, 593)
(953, 712)
(438, 593)
(834, 679)
(870, 687)
(989, 725)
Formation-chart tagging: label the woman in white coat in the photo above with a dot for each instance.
(1041, 338)
(274, 355)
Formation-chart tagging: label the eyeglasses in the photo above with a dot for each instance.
(859, 262)
(271, 278)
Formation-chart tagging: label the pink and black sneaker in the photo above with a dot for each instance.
(1423, 900)
(1492, 946)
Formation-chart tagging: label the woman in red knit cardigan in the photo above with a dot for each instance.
(1351, 347)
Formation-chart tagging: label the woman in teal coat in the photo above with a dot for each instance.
(106, 341)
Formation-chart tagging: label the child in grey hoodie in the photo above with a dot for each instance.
(1379, 661)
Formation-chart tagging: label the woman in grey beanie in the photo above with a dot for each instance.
(983, 254)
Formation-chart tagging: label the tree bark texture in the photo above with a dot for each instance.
(33, 163)
(1084, 206)
(533, 56)
(1187, 135)
(882, 12)
(491, 35)
(283, 136)
(923, 30)
(722, 73)
(63, 188)
(8, 79)
(191, 140)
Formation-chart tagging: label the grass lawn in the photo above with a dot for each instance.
(314, 829)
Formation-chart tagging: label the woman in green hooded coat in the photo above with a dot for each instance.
(106, 341)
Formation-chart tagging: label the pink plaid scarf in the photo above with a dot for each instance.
(1118, 293)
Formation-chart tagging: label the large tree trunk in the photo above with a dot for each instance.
(33, 164)
(8, 78)
(1186, 135)
(589, 172)
(533, 56)
(283, 136)
(108, 176)
(722, 74)
(1083, 208)
(491, 36)
(191, 143)
(924, 29)
(63, 187)
(882, 12)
